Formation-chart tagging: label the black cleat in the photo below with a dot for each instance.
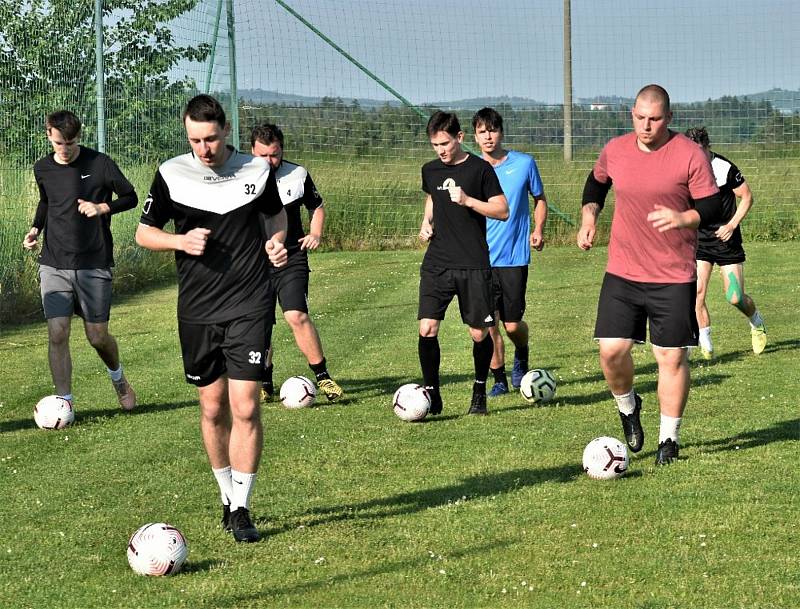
(267, 391)
(478, 405)
(667, 452)
(632, 427)
(242, 526)
(226, 518)
(436, 400)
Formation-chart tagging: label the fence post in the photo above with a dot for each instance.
(99, 77)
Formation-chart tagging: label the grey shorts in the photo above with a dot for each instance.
(86, 292)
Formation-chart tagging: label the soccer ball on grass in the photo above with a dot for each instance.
(53, 412)
(537, 385)
(605, 458)
(298, 392)
(411, 402)
(157, 548)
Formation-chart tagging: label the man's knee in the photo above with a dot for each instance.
(98, 336)
(428, 327)
(296, 319)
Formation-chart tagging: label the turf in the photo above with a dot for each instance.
(359, 509)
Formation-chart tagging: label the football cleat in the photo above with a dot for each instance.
(125, 393)
(518, 370)
(330, 388)
(667, 452)
(497, 389)
(632, 426)
(759, 336)
(242, 526)
(436, 400)
(225, 522)
(478, 405)
(267, 391)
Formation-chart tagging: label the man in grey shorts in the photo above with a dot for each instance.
(76, 185)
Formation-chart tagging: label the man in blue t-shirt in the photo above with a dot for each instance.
(510, 243)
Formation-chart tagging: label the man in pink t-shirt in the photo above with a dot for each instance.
(664, 190)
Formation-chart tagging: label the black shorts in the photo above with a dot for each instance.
(438, 286)
(721, 253)
(236, 348)
(626, 306)
(508, 286)
(290, 285)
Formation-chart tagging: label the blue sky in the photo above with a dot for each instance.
(454, 49)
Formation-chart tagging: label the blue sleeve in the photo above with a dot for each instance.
(534, 180)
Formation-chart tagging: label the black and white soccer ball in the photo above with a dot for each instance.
(605, 458)
(537, 385)
(53, 412)
(411, 402)
(298, 392)
(157, 548)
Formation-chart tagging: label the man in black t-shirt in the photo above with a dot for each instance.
(76, 186)
(290, 282)
(462, 191)
(721, 244)
(226, 211)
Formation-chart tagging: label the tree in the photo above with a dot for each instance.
(47, 62)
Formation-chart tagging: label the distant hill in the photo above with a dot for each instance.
(786, 102)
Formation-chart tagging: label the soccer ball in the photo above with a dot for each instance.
(605, 458)
(157, 549)
(53, 412)
(298, 392)
(411, 402)
(537, 386)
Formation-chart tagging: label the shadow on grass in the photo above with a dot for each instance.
(90, 416)
(201, 566)
(474, 487)
(387, 385)
(779, 432)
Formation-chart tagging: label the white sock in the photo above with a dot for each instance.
(705, 338)
(669, 429)
(242, 487)
(756, 320)
(115, 375)
(626, 403)
(223, 477)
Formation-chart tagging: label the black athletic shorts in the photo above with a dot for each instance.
(438, 286)
(626, 306)
(721, 253)
(290, 285)
(508, 286)
(236, 348)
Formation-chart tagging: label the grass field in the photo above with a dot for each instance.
(361, 510)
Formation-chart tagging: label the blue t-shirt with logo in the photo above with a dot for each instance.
(509, 241)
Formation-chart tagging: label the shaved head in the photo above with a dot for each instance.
(654, 94)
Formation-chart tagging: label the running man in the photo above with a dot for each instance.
(76, 186)
(664, 189)
(721, 244)
(226, 211)
(290, 282)
(510, 243)
(461, 190)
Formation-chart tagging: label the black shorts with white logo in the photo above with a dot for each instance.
(438, 286)
(721, 253)
(290, 285)
(236, 348)
(626, 306)
(508, 286)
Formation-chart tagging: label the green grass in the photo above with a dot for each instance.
(360, 509)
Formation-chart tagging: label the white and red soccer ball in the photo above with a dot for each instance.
(53, 412)
(605, 458)
(411, 402)
(157, 548)
(537, 386)
(298, 392)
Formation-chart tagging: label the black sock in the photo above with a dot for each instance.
(320, 370)
(429, 360)
(482, 358)
(267, 380)
(521, 353)
(479, 388)
(499, 375)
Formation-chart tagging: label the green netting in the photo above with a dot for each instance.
(351, 83)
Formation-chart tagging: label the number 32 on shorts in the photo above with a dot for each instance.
(255, 357)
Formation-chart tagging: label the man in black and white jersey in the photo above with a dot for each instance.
(721, 244)
(76, 185)
(226, 211)
(290, 282)
(461, 190)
